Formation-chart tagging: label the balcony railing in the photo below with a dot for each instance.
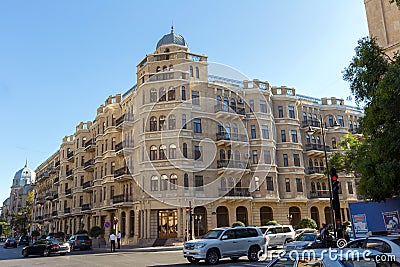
(86, 207)
(88, 163)
(232, 137)
(319, 194)
(232, 164)
(55, 196)
(70, 154)
(68, 191)
(231, 109)
(122, 198)
(119, 147)
(68, 173)
(56, 180)
(312, 123)
(39, 218)
(40, 200)
(67, 210)
(121, 171)
(88, 143)
(57, 164)
(86, 184)
(54, 213)
(120, 120)
(315, 170)
(318, 147)
(238, 192)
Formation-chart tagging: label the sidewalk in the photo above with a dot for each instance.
(104, 248)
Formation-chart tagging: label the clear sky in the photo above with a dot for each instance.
(59, 60)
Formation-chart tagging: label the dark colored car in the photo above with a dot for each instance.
(80, 241)
(23, 240)
(44, 248)
(11, 243)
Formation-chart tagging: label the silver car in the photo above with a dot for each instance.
(221, 243)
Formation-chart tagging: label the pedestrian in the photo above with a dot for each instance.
(324, 236)
(112, 241)
(119, 239)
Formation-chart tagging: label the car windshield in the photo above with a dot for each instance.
(213, 234)
(307, 237)
(83, 237)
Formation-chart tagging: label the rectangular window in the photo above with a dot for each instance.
(183, 121)
(255, 157)
(280, 112)
(253, 132)
(94, 196)
(287, 184)
(82, 180)
(340, 120)
(197, 153)
(154, 183)
(283, 135)
(111, 191)
(269, 183)
(264, 131)
(296, 160)
(267, 157)
(350, 188)
(183, 93)
(294, 136)
(80, 201)
(285, 160)
(299, 185)
(195, 98)
(197, 125)
(291, 112)
(198, 182)
(251, 105)
(263, 106)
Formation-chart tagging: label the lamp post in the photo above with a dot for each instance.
(289, 217)
(198, 219)
(311, 132)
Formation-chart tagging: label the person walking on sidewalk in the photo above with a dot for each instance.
(119, 239)
(112, 241)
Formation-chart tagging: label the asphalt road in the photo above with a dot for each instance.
(135, 258)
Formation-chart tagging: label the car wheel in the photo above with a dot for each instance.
(192, 260)
(234, 258)
(45, 252)
(253, 253)
(212, 257)
(25, 253)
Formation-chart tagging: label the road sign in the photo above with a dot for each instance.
(107, 224)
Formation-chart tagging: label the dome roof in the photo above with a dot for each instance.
(172, 38)
(24, 176)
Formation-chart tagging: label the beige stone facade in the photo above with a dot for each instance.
(233, 150)
(384, 24)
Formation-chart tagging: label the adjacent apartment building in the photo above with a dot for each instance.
(181, 137)
(384, 24)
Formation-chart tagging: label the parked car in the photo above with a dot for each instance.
(45, 248)
(64, 245)
(23, 240)
(341, 258)
(11, 243)
(221, 243)
(385, 244)
(304, 241)
(278, 235)
(81, 241)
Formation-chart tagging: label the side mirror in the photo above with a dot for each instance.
(224, 237)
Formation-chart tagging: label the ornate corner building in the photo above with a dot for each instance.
(384, 24)
(234, 150)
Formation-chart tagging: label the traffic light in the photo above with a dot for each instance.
(335, 182)
(1, 229)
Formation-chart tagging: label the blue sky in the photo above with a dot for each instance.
(59, 60)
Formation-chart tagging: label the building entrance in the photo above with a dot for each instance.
(167, 223)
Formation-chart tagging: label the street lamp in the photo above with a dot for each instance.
(311, 132)
(289, 217)
(198, 219)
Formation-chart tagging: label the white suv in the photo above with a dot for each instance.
(278, 235)
(225, 242)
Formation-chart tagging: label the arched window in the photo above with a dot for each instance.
(235, 133)
(123, 223)
(295, 215)
(309, 117)
(321, 165)
(226, 104)
(153, 95)
(227, 131)
(219, 104)
(318, 186)
(266, 215)
(328, 215)
(315, 215)
(221, 154)
(200, 221)
(161, 123)
(161, 94)
(307, 139)
(351, 125)
(237, 155)
(153, 124)
(305, 118)
(313, 190)
(154, 183)
(163, 152)
(229, 154)
(231, 183)
(184, 121)
(313, 139)
(197, 73)
(223, 183)
(171, 93)
(220, 129)
(172, 151)
(241, 215)
(256, 184)
(131, 223)
(310, 164)
(233, 104)
(173, 181)
(222, 216)
(330, 118)
(186, 181)
(191, 71)
(318, 140)
(164, 182)
(158, 69)
(184, 150)
(153, 153)
(334, 145)
(171, 122)
(165, 68)
(324, 186)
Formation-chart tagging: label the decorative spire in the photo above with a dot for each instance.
(26, 163)
(172, 27)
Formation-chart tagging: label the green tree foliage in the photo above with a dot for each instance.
(395, 1)
(307, 223)
(344, 159)
(375, 81)
(238, 223)
(6, 229)
(96, 231)
(273, 222)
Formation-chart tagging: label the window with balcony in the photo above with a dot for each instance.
(172, 151)
(173, 181)
(171, 122)
(154, 183)
(340, 120)
(162, 123)
(330, 118)
(171, 94)
(153, 124)
(153, 153)
(164, 182)
(195, 98)
(153, 95)
(267, 157)
(162, 94)
(163, 152)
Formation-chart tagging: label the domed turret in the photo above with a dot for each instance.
(24, 176)
(172, 38)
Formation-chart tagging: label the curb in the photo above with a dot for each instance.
(142, 249)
